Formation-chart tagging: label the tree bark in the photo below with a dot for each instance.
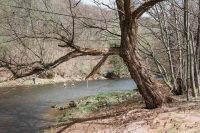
(179, 79)
(147, 86)
(197, 54)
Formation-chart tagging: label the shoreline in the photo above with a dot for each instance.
(41, 81)
(38, 82)
(87, 105)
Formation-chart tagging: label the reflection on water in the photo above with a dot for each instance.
(22, 108)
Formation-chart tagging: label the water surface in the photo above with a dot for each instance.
(22, 108)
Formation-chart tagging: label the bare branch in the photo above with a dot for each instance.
(97, 67)
(144, 7)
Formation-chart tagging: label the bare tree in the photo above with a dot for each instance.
(175, 27)
(128, 14)
(197, 53)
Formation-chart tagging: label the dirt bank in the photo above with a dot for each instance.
(129, 117)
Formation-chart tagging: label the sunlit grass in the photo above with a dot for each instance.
(94, 103)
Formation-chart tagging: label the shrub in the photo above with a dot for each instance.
(118, 65)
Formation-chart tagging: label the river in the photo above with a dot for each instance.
(22, 109)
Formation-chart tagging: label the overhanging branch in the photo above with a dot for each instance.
(27, 70)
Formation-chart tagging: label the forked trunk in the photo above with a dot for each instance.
(148, 87)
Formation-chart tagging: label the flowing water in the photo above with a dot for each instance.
(22, 108)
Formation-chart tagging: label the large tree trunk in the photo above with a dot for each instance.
(147, 86)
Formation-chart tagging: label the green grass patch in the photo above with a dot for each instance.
(94, 103)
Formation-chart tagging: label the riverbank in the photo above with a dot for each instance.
(98, 114)
(41, 81)
(90, 104)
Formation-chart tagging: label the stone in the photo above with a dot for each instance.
(72, 104)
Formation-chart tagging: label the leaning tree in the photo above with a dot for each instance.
(128, 15)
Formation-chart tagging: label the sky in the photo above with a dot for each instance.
(108, 2)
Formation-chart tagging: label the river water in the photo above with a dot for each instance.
(22, 108)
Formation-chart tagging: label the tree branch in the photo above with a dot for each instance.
(96, 68)
(20, 71)
(137, 13)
